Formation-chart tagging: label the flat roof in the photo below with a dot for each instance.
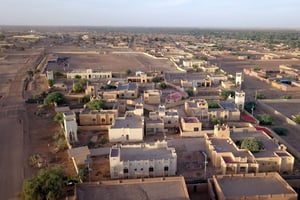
(145, 153)
(128, 86)
(228, 105)
(148, 188)
(79, 151)
(190, 119)
(234, 186)
(129, 121)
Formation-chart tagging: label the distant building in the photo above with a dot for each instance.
(89, 74)
(70, 126)
(250, 186)
(127, 129)
(143, 160)
(230, 159)
(170, 117)
(239, 79)
(145, 188)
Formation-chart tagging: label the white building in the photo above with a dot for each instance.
(50, 75)
(89, 74)
(70, 126)
(239, 100)
(142, 160)
(127, 129)
(238, 79)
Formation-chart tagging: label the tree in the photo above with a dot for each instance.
(59, 118)
(189, 91)
(47, 184)
(249, 105)
(265, 119)
(286, 97)
(226, 93)
(212, 104)
(54, 97)
(50, 82)
(96, 104)
(156, 79)
(252, 145)
(260, 96)
(280, 131)
(80, 87)
(215, 121)
(163, 85)
(128, 71)
(84, 99)
(297, 119)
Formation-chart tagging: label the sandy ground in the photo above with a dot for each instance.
(113, 62)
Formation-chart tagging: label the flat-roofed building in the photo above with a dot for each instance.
(230, 159)
(140, 78)
(226, 110)
(129, 128)
(70, 126)
(128, 91)
(97, 117)
(250, 186)
(142, 160)
(147, 188)
(174, 97)
(190, 126)
(152, 96)
(89, 74)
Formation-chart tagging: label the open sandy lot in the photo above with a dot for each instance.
(115, 62)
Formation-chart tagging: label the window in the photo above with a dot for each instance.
(142, 169)
(166, 168)
(196, 129)
(93, 120)
(132, 95)
(135, 169)
(110, 119)
(102, 120)
(151, 169)
(125, 170)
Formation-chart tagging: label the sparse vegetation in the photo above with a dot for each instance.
(128, 72)
(189, 91)
(84, 99)
(297, 119)
(257, 68)
(163, 85)
(50, 82)
(215, 121)
(260, 96)
(286, 97)
(59, 118)
(80, 87)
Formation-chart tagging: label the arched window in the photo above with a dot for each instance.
(151, 169)
(125, 170)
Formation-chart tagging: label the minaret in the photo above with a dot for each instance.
(238, 79)
(239, 100)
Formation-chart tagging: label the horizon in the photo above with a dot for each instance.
(232, 14)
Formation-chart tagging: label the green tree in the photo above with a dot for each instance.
(96, 104)
(80, 87)
(59, 118)
(212, 104)
(54, 97)
(249, 106)
(50, 82)
(265, 119)
(297, 119)
(156, 79)
(252, 145)
(260, 96)
(215, 121)
(280, 131)
(189, 91)
(163, 85)
(226, 93)
(286, 97)
(128, 71)
(84, 99)
(47, 184)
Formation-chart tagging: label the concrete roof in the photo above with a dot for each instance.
(79, 151)
(130, 121)
(153, 188)
(234, 186)
(144, 153)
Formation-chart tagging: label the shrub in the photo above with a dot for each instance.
(96, 104)
(265, 119)
(54, 97)
(280, 131)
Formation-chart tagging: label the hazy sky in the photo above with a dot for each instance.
(171, 13)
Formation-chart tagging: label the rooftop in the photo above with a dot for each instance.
(228, 105)
(191, 120)
(145, 153)
(129, 121)
(152, 188)
(237, 186)
(128, 86)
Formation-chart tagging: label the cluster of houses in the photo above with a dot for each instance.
(127, 125)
